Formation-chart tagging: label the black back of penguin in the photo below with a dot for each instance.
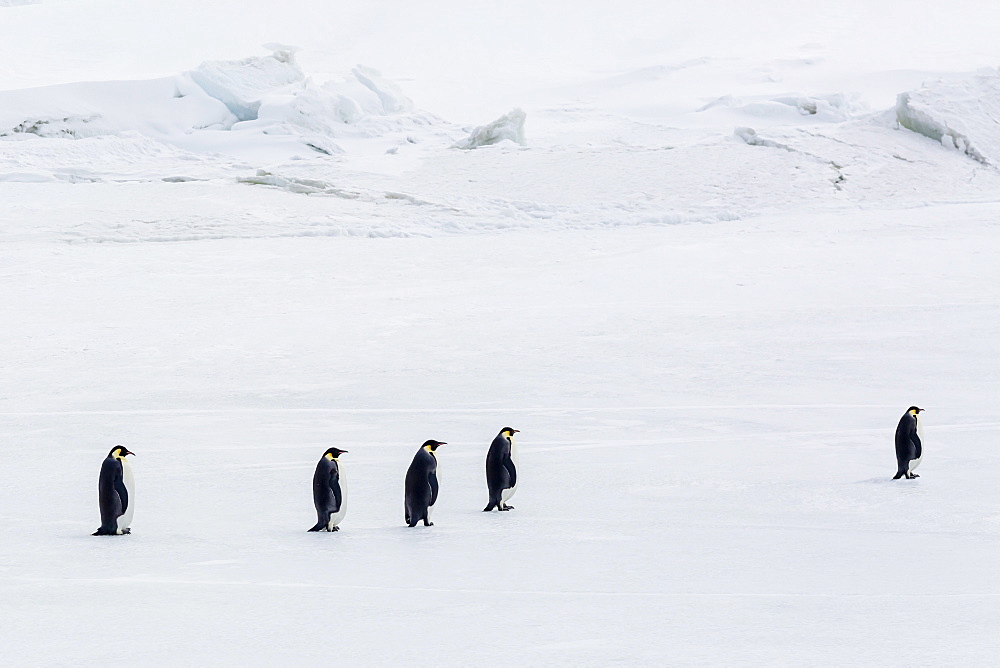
(421, 485)
(907, 441)
(328, 495)
(112, 494)
(501, 471)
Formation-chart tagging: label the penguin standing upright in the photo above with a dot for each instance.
(421, 486)
(909, 443)
(501, 470)
(116, 493)
(329, 491)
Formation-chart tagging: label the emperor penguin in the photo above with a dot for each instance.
(116, 493)
(421, 487)
(329, 492)
(909, 443)
(501, 470)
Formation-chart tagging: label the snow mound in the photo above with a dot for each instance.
(509, 127)
(792, 108)
(156, 107)
(962, 114)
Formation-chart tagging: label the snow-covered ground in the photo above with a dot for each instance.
(702, 257)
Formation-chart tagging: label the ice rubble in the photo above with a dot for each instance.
(962, 114)
(509, 127)
(266, 102)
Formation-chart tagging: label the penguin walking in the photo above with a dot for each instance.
(421, 487)
(909, 443)
(329, 491)
(116, 493)
(501, 470)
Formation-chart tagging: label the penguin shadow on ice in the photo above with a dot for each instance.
(909, 443)
(329, 492)
(116, 493)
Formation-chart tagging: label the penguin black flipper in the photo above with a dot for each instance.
(508, 464)
(121, 489)
(338, 495)
(432, 480)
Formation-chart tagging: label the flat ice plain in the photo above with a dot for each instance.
(722, 260)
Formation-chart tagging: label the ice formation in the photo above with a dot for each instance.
(962, 114)
(273, 110)
(509, 127)
(242, 85)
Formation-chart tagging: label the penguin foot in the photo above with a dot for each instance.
(428, 524)
(506, 507)
(335, 529)
(914, 475)
(126, 531)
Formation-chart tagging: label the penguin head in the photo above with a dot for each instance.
(914, 410)
(432, 445)
(333, 453)
(119, 451)
(509, 432)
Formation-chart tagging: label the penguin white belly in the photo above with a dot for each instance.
(125, 521)
(509, 492)
(335, 518)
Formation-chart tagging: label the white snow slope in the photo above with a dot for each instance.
(702, 257)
